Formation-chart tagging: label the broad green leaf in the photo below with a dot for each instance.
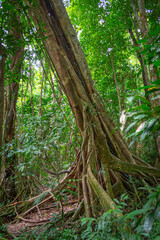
(146, 87)
(135, 213)
(148, 204)
(157, 82)
(85, 220)
(157, 213)
(144, 134)
(140, 116)
(143, 99)
(133, 141)
(151, 123)
(152, 90)
(148, 223)
(157, 63)
(145, 107)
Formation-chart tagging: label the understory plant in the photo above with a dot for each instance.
(143, 223)
(139, 224)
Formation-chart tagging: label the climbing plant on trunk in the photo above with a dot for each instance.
(104, 155)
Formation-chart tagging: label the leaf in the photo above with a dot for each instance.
(85, 220)
(157, 63)
(154, 89)
(140, 116)
(151, 123)
(157, 213)
(124, 196)
(144, 134)
(157, 82)
(130, 99)
(130, 126)
(155, 58)
(143, 99)
(148, 223)
(135, 213)
(132, 237)
(134, 139)
(157, 238)
(145, 107)
(116, 200)
(143, 40)
(146, 87)
(147, 205)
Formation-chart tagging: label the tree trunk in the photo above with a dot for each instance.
(143, 25)
(104, 154)
(30, 82)
(115, 80)
(2, 64)
(10, 116)
(140, 57)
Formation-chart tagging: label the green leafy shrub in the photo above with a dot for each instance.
(139, 224)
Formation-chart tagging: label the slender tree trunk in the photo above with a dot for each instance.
(22, 96)
(115, 81)
(104, 153)
(143, 25)
(30, 82)
(143, 19)
(140, 57)
(41, 93)
(9, 126)
(40, 104)
(2, 65)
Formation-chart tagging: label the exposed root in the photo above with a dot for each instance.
(104, 198)
(32, 221)
(77, 212)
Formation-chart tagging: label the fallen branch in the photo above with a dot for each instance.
(32, 221)
(32, 208)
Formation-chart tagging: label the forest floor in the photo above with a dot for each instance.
(40, 215)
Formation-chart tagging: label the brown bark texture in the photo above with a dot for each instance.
(2, 64)
(104, 157)
(10, 114)
(141, 18)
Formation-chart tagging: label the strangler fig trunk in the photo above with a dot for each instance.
(104, 154)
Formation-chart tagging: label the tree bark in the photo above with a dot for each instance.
(115, 81)
(140, 57)
(10, 116)
(143, 25)
(104, 153)
(30, 82)
(2, 65)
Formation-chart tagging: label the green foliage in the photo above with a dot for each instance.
(4, 234)
(148, 220)
(139, 224)
(146, 119)
(144, 113)
(101, 31)
(56, 233)
(45, 135)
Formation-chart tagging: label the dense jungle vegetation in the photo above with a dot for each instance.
(80, 119)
